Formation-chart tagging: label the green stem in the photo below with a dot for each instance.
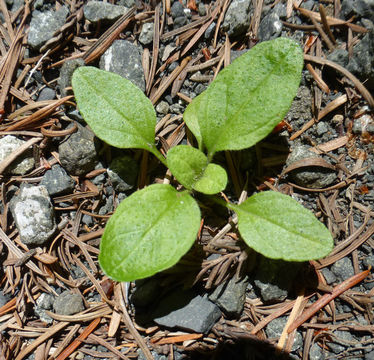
(221, 202)
(158, 155)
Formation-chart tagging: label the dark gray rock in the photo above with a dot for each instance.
(180, 21)
(362, 62)
(369, 356)
(155, 355)
(177, 10)
(57, 181)
(316, 352)
(237, 19)
(368, 261)
(66, 73)
(33, 214)
(301, 107)
(44, 302)
(146, 291)
(270, 27)
(96, 11)
(329, 276)
(123, 172)
(87, 220)
(281, 10)
(312, 177)
(108, 206)
(230, 296)
(44, 24)
(339, 342)
(343, 269)
(209, 32)
(78, 152)
(146, 35)
(68, 303)
(23, 163)
(275, 328)
(363, 8)
(185, 310)
(47, 94)
(124, 58)
(274, 278)
(3, 298)
(339, 56)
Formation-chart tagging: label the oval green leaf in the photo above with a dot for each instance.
(149, 232)
(116, 110)
(279, 227)
(191, 168)
(248, 98)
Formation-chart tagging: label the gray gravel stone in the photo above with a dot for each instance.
(230, 296)
(369, 356)
(66, 73)
(301, 106)
(44, 302)
(146, 35)
(124, 58)
(95, 11)
(3, 298)
(343, 269)
(364, 8)
(78, 152)
(177, 9)
(270, 27)
(362, 62)
(274, 278)
(312, 177)
(57, 181)
(46, 94)
(68, 303)
(340, 340)
(329, 276)
(44, 24)
(274, 330)
(317, 353)
(339, 56)
(186, 311)
(123, 172)
(33, 214)
(23, 163)
(162, 107)
(237, 19)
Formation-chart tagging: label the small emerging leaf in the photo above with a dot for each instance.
(279, 227)
(116, 110)
(248, 98)
(149, 232)
(191, 168)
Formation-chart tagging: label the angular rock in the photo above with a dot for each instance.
(362, 62)
(185, 310)
(363, 8)
(313, 177)
(274, 278)
(177, 9)
(66, 73)
(44, 24)
(343, 269)
(46, 94)
(124, 58)
(339, 56)
(96, 11)
(57, 181)
(274, 330)
(237, 19)
(78, 152)
(23, 163)
(123, 172)
(33, 214)
(270, 27)
(146, 35)
(230, 296)
(68, 303)
(44, 302)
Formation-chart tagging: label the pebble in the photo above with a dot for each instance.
(146, 35)
(24, 163)
(237, 19)
(322, 128)
(33, 214)
(162, 107)
(44, 24)
(329, 276)
(339, 56)
(44, 302)
(46, 94)
(57, 181)
(78, 152)
(185, 310)
(124, 58)
(230, 296)
(68, 303)
(66, 72)
(313, 176)
(177, 10)
(343, 269)
(275, 328)
(123, 172)
(3, 299)
(337, 346)
(270, 27)
(96, 11)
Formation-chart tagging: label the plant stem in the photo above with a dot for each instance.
(221, 202)
(158, 155)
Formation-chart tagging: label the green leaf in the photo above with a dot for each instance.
(248, 98)
(279, 227)
(149, 232)
(191, 168)
(116, 110)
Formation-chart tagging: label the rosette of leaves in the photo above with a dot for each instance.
(154, 227)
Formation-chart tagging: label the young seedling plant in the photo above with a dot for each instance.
(154, 227)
